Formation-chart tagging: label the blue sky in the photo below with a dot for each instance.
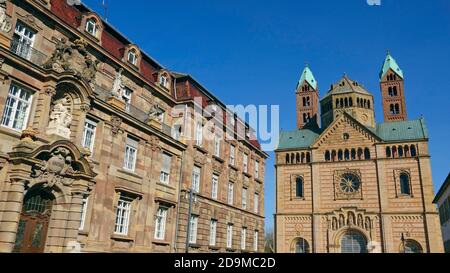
(253, 51)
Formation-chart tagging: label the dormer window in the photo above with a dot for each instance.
(163, 81)
(132, 57)
(92, 27)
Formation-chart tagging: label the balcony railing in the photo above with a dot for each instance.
(137, 113)
(27, 52)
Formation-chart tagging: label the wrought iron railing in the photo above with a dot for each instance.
(27, 52)
(103, 94)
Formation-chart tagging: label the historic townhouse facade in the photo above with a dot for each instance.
(96, 154)
(352, 185)
(442, 200)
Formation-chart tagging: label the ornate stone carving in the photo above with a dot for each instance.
(29, 135)
(115, 123)
(86, 107)
(73, 58)
(60, 120)
(5, 23)
(55, 171)
(50, 91)
(156, 113)
(217, 166)
(154, 143)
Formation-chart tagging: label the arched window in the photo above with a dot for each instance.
(353, 154)
(292, 158)
(392, 109)
(353, 242)
(299, 187)
(132, 57)
(366, 154)
(333, 155)
(394, 151)
(346, 102)
(347, 154)
(391, 94)
(357, 102)
(413, 151)
(340, 155)
(406, 150)
(350, 102)
(287, 158)
(360, 153)
(400, 151)
(308, 157)
(305, 118)
(411, 246)
(342, 103)
(388, 152)
(405, 185)
(304, 101)
(337, 103)
(397, 109)
(327, 156)
(368, 104)
(301, 246)
(298, 158)
(395, 91)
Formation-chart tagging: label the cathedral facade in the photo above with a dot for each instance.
(353, 185)
(101, 146)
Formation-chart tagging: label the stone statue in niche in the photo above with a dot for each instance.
(5, 24)
(156, 113)
(118, 86)
(60, 120)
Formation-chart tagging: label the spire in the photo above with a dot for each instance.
(390, 63)
(307, 76)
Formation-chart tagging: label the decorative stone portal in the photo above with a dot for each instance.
(43, 206)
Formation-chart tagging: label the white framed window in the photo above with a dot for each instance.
(255, 241)
(243, 238)
(232, 154)
(123, 212)
(88, 139)
(176, 132)
(92, 27)
(132, 57)
(193, 229)
(230, 236)
(160, 223)
(214, 186)
(217, 142)
(165, 170)
(17, 108)
(256, 203)
(244, 198)
(163, 80)
(23, 41)
(130, 154)
(126, 97)
(213, 232)
(199, 134)
(245, 163)
(196, 179)
(256, 169)
(84, 205)
(230, 193)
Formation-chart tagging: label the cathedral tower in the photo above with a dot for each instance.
(392, 91)
(307, 100)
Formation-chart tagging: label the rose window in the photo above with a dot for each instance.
(350, 183)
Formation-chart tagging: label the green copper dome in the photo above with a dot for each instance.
(390, 63)
(308, 76)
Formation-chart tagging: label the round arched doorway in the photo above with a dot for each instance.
(353, 241)
(34, 219)
(301, 246)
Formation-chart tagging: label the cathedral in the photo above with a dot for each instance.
(351, 185)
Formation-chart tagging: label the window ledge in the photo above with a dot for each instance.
(123, 238)
(258, 180)
(165, 185)
(247, 174)
(233, 167)
(214, 248)
(218, 159)
(161, 242)
(200, 149)
(130, 173)
(230, 250)
(197, 246)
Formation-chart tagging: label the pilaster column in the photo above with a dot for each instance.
(73, 222)
(11, 215)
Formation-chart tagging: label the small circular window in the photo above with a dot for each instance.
(346, 136)
(350, 183)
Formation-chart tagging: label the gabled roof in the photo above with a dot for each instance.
(390, 63)
(307, 76)
(384, 132)
(402, 130)
(346, 85)
(297, 139)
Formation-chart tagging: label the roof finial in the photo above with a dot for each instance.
(306, 64)
(388, 51)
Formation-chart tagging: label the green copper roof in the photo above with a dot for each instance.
(346, 85)
(297, 139)
(390, 63)
(403, 130)
(308, 76)
(390, 131)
